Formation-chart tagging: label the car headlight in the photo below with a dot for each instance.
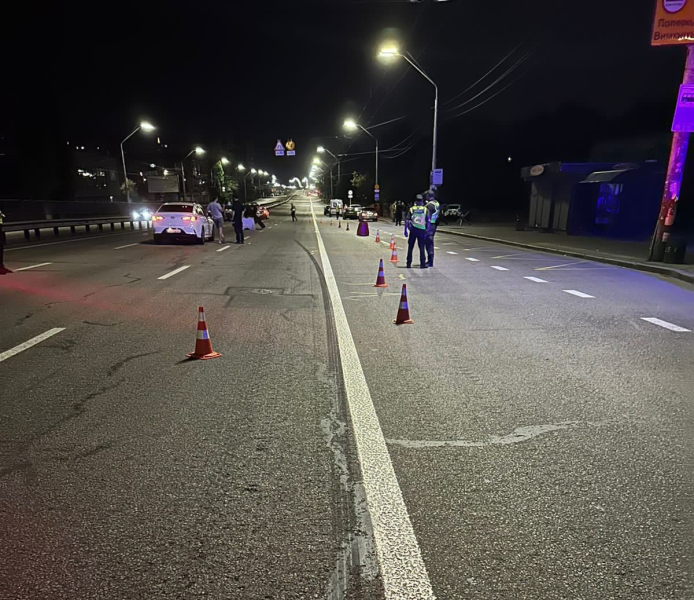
(146, 215)
(136, 215)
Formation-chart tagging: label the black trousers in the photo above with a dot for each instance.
(430, 245)
(238, 228)
(418, 236)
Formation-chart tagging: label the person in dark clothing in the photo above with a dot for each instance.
(293, 212)
(237, 219)
(399, 209)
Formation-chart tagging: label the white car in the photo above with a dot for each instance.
(182, 221)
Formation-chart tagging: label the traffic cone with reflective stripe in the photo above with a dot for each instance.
(203, 344)
(403, 317)
(381, 279)
(394, 255)
(378, 236)
(392, 241)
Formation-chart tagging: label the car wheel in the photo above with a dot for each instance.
(157, 239)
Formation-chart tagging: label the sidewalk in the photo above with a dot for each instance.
(627, 254)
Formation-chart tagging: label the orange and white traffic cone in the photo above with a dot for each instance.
(394, 255)
(347, 229)
(203, 344)
(331, 222)
(381, 279)
(403, 317)
(378, 236)
(392, 241)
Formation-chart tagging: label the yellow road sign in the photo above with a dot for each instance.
(673, 23)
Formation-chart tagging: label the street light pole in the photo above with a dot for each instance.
(196, 150)
(122, 155)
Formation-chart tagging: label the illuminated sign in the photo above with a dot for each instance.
(673, 23)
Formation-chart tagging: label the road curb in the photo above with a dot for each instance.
(651, 268)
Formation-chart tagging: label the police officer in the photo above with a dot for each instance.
(434, 210)
(417, 224)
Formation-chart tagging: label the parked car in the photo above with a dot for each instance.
(353, 212)
(368, 214)
(182, 221)
(453, 210)
(333, 207)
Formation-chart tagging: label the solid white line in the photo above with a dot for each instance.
(32, 267)
(172, 273)
(77, 239)
(665, 324)
(579, 294)
(126, 246)
(223, 248)
(499, 268)
(403, 570)
(29, 343)
(536, 279)
(449, 252)
(472, 259)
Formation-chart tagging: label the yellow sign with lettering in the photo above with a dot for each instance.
(674, 23)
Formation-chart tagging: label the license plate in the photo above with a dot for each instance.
(173, 230)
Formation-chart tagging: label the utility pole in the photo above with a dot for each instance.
(673, 179)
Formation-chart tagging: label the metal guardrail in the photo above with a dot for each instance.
(55, 224)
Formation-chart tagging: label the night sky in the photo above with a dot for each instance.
(235, 76)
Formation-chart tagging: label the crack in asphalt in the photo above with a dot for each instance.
(121, 363)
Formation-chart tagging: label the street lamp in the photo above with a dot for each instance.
(322, 149)
(197, 150)
(145, 126)
(392, 52)
(245, 189)
(352, 125)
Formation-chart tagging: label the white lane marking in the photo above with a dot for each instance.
(665, 324)
(536, 279)
(403, 570)
(449, 252)
(174, 272)
(560, 266)
(29, 343)
(577, 293)
(499, 268)
(437, 248)
(32, 267)
(472, 259)
(223, 248)
(126, 246)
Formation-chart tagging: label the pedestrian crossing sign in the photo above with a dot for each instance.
(279, 148)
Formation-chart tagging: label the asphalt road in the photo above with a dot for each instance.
(538, 432)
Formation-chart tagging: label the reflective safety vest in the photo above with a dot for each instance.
(418, 216)
(434, 206)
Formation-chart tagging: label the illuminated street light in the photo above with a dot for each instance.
(390, 51)
(145, 126)
(197, 150)
(321, 150)
(352, 125)
(225, 161)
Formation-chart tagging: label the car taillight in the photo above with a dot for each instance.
(157, 218)
(193, 218)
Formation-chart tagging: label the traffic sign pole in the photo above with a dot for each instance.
(673, 179)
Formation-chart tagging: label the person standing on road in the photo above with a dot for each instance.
(214, 209)
(434, 210)
(417, 224)
(397, 211)
(237, 218)
(293, 212)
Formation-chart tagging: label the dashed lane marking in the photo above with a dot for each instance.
(174, 272)
(472, 259)
(402, 567)
(499, 268)
(29, 343)
(560, 266)
(536, 279)
(577, 293)
(223, 248)
(77, 239)
(449, 252)
(33, 267)
(126, 246)
(665, 324)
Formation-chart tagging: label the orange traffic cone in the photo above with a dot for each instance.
(331, 222)
(347, 226)
(203, 344)
(392, 241)
(403, 317)
(378, 236)
(381, 279)
(339, 224)
(394, 255)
